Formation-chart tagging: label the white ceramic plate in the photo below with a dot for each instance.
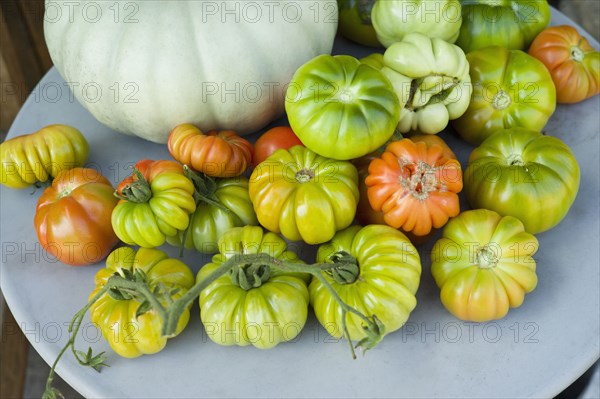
(537, 350)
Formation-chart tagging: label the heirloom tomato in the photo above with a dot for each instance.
(156, 202)
(415, 185)
(510, 88)
(431, 79)
(512, 24)
(484, 265)
(573, 63)
(355, 21)
(216, 154)
(525, 174)
(42, 155)
(394, 19)
(72, 217)
(274, 139)
(382, 282)
(341, 108)
(117, 314)
(261, 307)
(304, 196)
(222, 204)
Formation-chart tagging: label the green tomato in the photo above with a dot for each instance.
(304, 196)
(512, 24)
(355, 21)
(129, 334)
(228, 206)
(271, 310)
(341, 108)
(383, 284)
(431, 79)
(394, 19)
(510, 88)
(525, 174)
(484, 265)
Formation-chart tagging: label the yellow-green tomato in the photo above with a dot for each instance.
(341, 108)
(510, 88)
(383, 284)
(525, 174)
(40, 156)
(128, 335)
(355, 21)
(263, 307)
(227, 206)
(484, 265)
(394, 19)
(304, 196)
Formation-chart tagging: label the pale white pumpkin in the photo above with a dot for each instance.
(143, 67)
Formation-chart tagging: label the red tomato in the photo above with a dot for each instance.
(73, 217)
(274, 139)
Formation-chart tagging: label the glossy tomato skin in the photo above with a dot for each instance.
(389, 275)
(415, 184)
(209, 222)
(217, 153)
(573, 63)
(355, 22)
(304, 196)
(165, 210)
(510, 88)
(525, 174)
(484, 265)
(42, 155)
(128, 335)
(72, 217)
(512, 24)
(262, 316)
(274, 139)
(341, 108)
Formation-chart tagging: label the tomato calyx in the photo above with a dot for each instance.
(138, 191)
(348, 270)
(250, 276)
(305, 175)
(486, 257)
(577, 53)
(205, 188)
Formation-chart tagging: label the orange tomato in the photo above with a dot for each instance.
(216, 154)
(73, 217)
(415, 184)
(573, 63)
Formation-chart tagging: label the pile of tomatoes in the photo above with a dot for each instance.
(341, 160)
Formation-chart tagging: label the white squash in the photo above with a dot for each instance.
(143, 67)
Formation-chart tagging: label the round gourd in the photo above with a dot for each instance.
(143, 67)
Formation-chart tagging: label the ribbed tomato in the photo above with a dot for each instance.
(216, 154)
(573, 63)
(415, 185)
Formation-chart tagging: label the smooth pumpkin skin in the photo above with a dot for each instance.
(572, 61)
(484, 265)
(40, 156)
(127, 335)
(163, 63)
